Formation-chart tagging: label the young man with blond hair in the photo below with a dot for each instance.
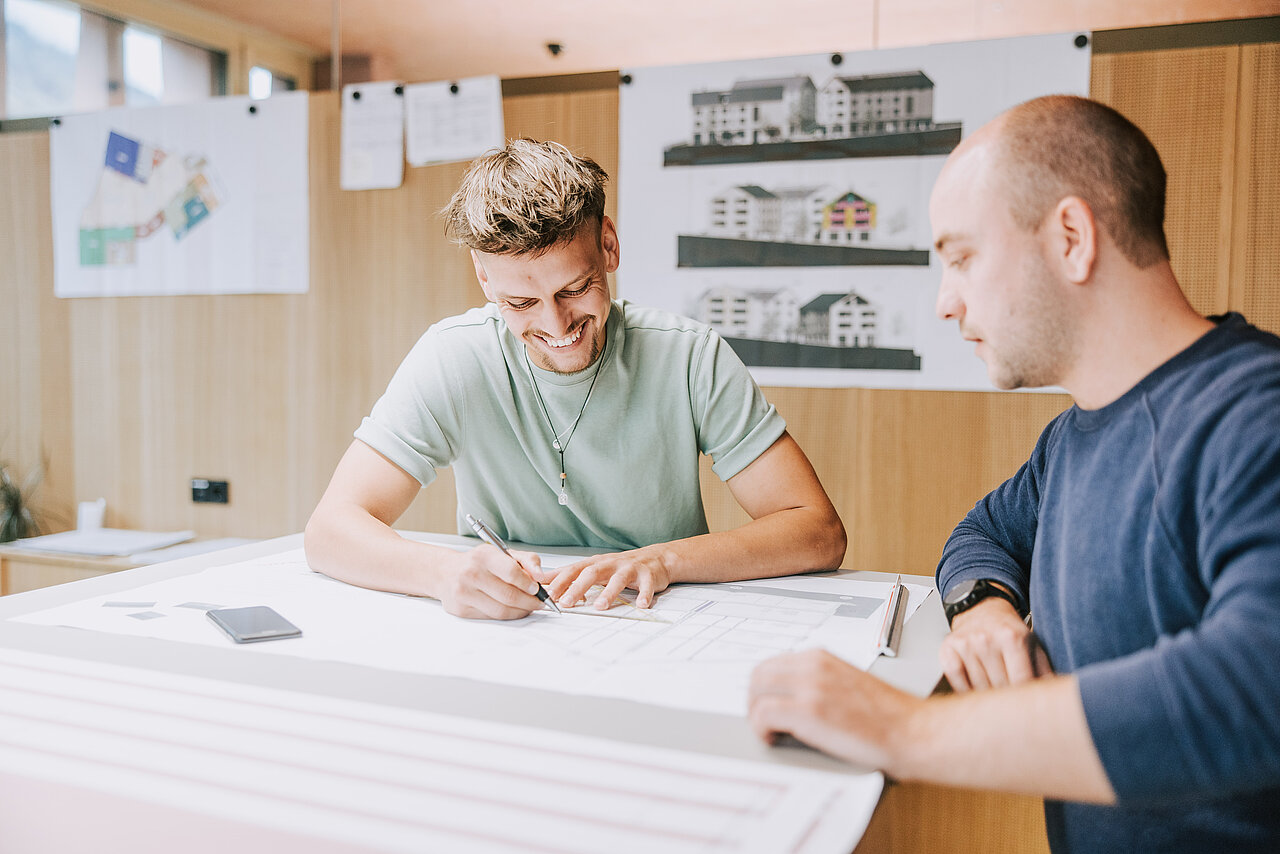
(1143, 535)
(570, 419)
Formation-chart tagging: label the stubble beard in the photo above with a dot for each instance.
(1038, 350)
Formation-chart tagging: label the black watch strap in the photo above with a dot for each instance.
(965, 594)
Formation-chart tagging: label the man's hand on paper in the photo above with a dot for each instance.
(990, 647)
(830, 705)
(489, 585)
(645, 570)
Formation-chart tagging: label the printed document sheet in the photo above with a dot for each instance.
(695, 649)
(390, 779)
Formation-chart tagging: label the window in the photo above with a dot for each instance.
(260, 80)
(41, 43)
(143, 68)
(59, 58)
(263, 83)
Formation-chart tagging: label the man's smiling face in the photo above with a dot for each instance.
(556, 302)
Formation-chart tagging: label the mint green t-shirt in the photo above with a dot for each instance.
(669, 389)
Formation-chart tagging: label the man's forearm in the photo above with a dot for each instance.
(781, 543)
(349, 544)
(1032, 738)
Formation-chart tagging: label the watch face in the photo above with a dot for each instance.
(958, 593)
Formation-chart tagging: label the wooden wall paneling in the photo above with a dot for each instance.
(35, 395)
(170, 388)
(56, 497)
(99, 407)
(1255, 250)
(902, 467)
(1184, 100)
(382, 272)
(326, 385)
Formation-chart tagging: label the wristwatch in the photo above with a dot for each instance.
(965, 594)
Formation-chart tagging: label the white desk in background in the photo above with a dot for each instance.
(122, 743)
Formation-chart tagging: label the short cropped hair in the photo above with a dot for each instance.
(1062, 145)
(526, 198)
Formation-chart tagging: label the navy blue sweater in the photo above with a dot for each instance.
(1145, 536)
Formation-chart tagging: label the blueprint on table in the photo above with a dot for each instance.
(697, 652)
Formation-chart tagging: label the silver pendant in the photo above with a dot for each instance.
(556, 444)
(564, 498)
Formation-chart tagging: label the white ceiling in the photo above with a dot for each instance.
(421, 40)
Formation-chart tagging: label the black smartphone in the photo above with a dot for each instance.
(253, 624)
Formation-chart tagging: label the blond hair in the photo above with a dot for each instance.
(526, 198)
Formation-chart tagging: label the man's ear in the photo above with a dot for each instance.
(482, 275)
(609, 245)
(1073, 233)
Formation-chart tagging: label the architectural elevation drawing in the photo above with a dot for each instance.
(773, 327)
(750, 226)
(790, 118)
(785, 201)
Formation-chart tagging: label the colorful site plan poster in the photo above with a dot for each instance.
(207, 198)
(785, 201)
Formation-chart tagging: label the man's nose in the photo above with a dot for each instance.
(948, 305)
(556, 319)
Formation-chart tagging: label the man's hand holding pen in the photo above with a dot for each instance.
(492, 585)
(527, 565)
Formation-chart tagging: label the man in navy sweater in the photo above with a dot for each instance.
(1143, 535)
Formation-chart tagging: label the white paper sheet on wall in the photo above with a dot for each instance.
(372, 136)
(451, 121)
(204, 198)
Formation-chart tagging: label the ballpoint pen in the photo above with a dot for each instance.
(483, 532)
(894, 612)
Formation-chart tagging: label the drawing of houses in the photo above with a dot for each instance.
(755, 111)
(875, 103)
(847, 218)
(767, 315)
(838, 320)
(792, 214)
(746, 211)
(800, 219)
(751, 212)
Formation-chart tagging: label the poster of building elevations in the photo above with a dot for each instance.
(784, 201)
(207, 198)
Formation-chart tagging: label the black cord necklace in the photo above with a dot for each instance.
(559, 446)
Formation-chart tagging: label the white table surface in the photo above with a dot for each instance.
(915, 669)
